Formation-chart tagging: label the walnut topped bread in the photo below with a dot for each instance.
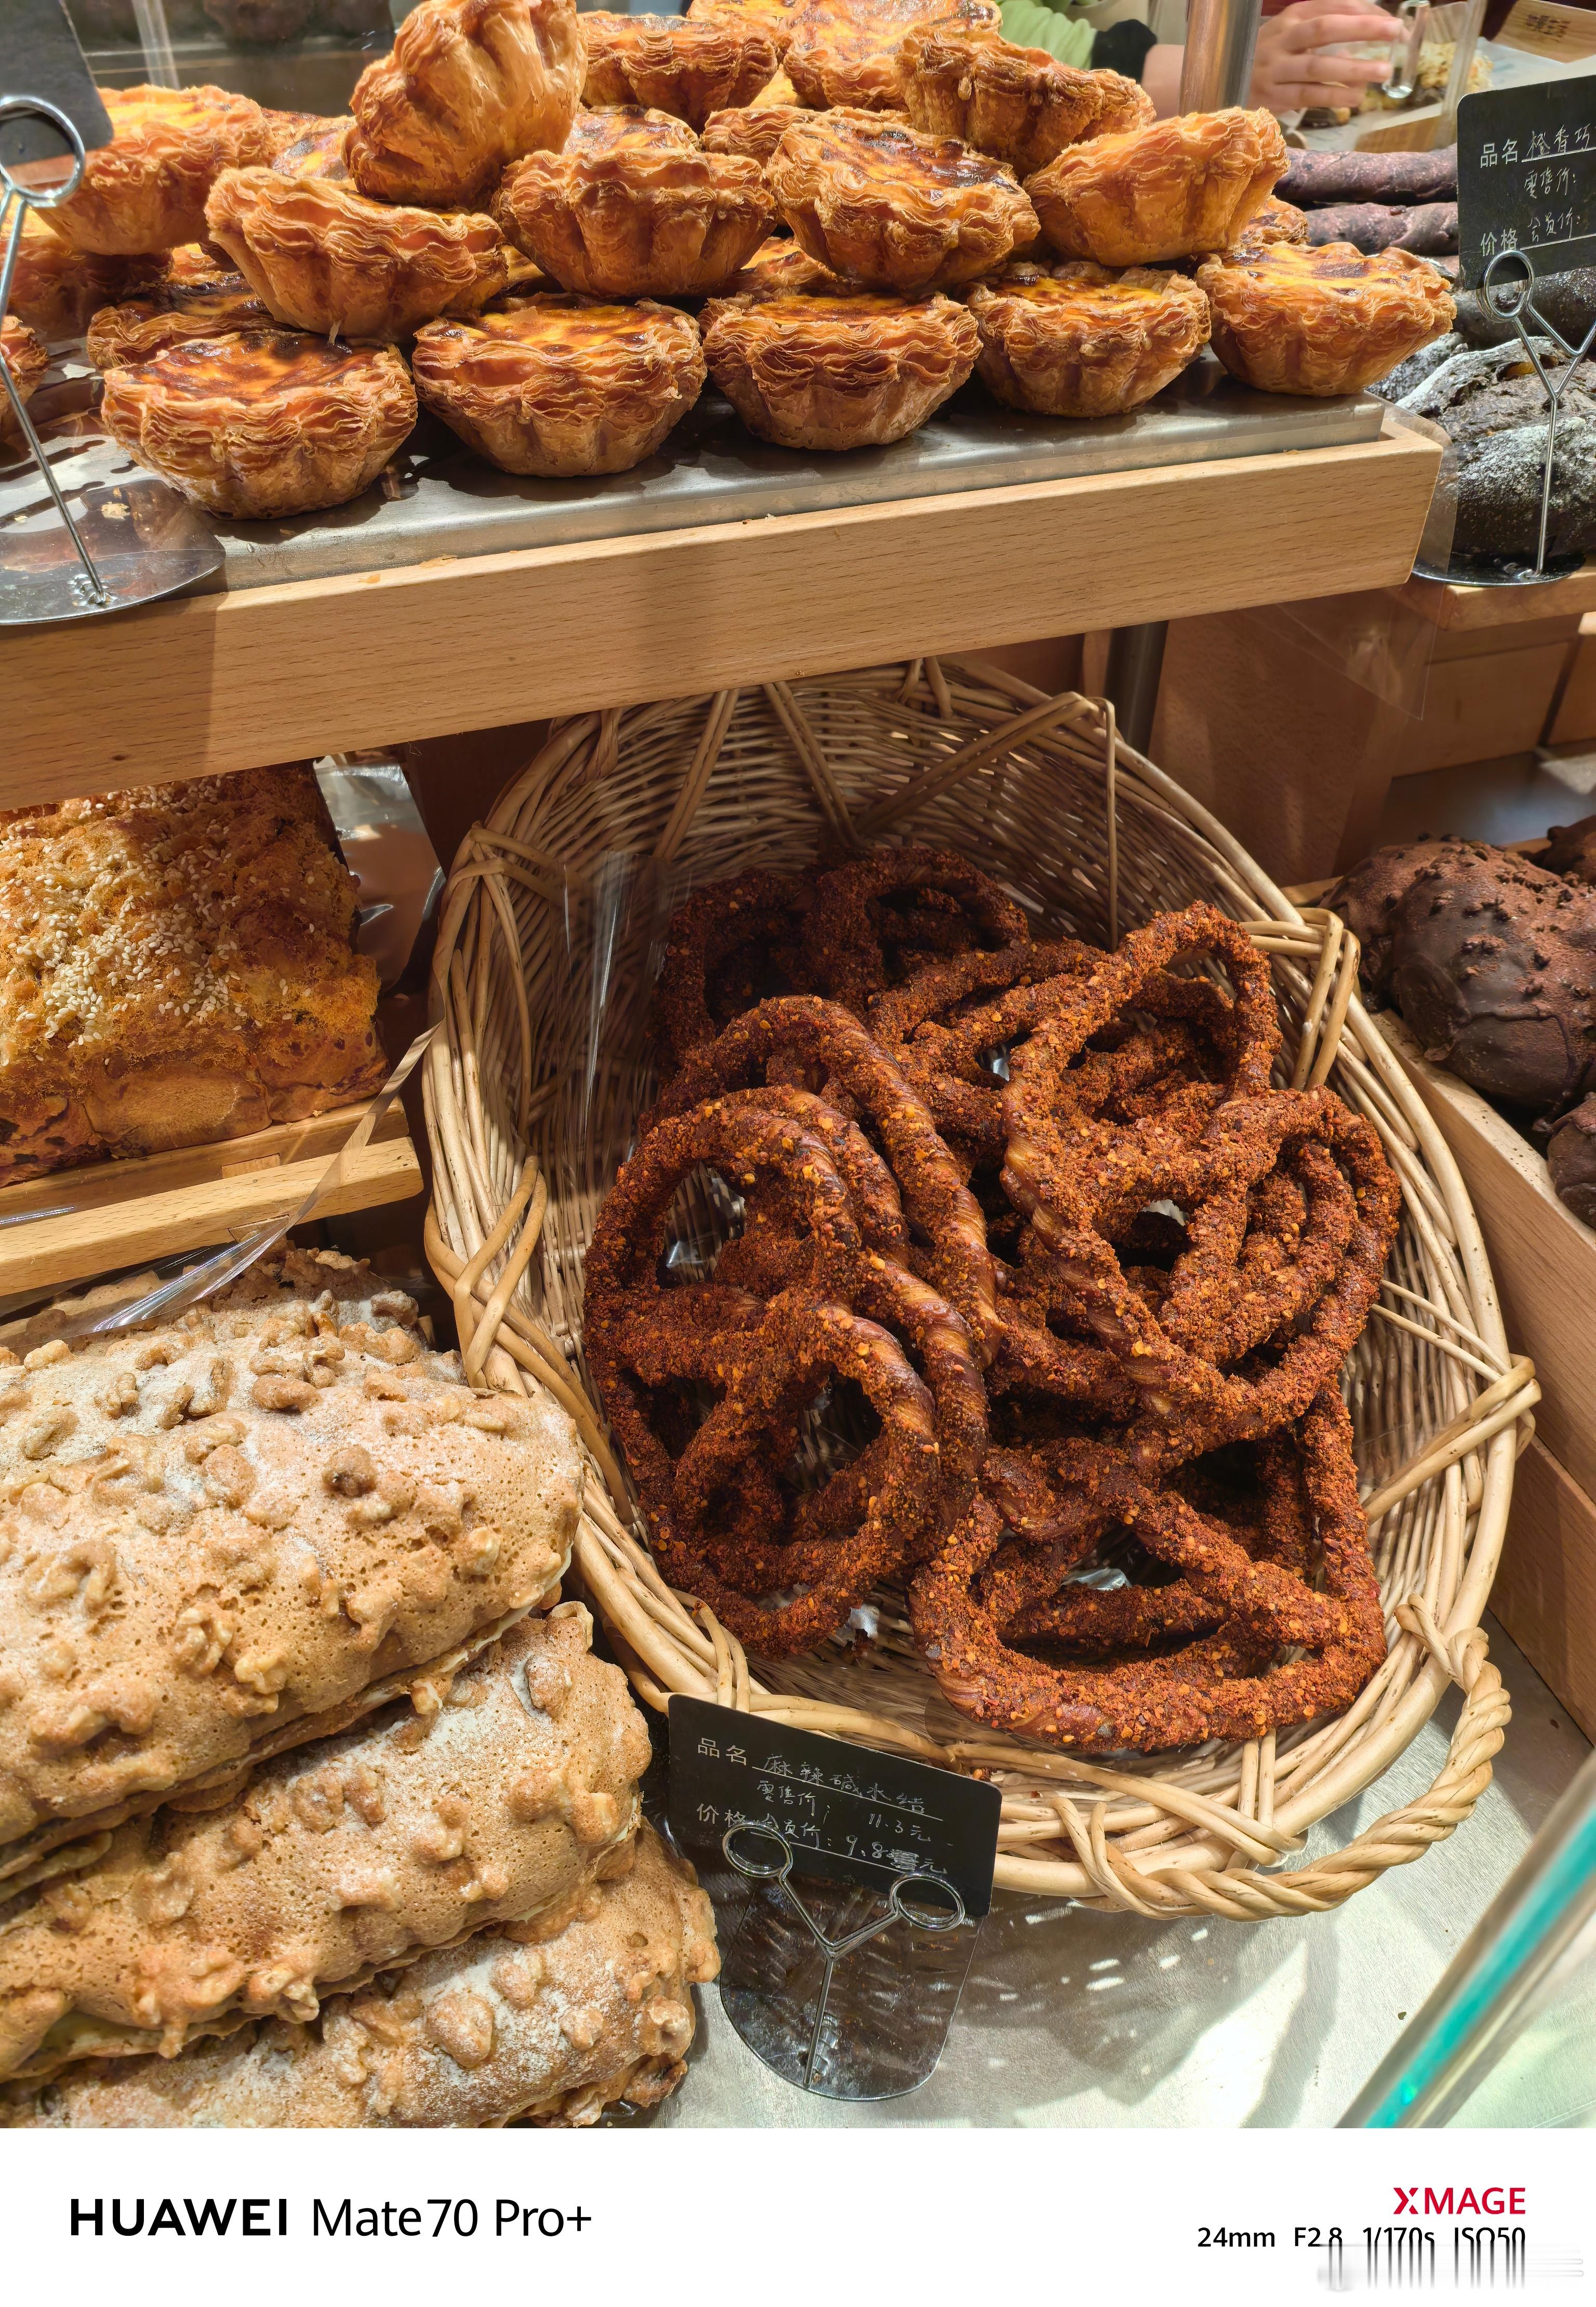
(226, 1537)
(178, 966)
(503, 2028)
(346, 1857)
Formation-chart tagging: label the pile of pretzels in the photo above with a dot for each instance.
(1036, 1303)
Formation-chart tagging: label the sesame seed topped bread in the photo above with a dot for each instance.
(177, 966)
(225, 1537)
(499, 2030)
(348, 1857)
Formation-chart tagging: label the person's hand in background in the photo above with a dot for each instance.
(1291, 68)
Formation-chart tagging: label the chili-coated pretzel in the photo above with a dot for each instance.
(1210, 1689)
(857, 941)
(731, 943)
(937, 1203)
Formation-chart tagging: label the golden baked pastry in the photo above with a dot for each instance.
(562, 386)
(1076, 341)
(192, 1924)
(881, 204)
(324, 257)
(633, 207)
(263, 424)
(55, 287)
(546, 2029)
(318, 150)
(851, 371)
(145, 191)
(751, 132)
(286, 128)
(779, 267)
(686, 67)
(152, 996)
(469, 85)
(1020, 105)
(187, 267)
(170, 313)
(1183, 187)
(1277, 220)
(1321, 321)
(27, 359)
(845, 52)
(246, 1530)
(774, 17)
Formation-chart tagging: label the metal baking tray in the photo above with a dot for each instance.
(439, 502)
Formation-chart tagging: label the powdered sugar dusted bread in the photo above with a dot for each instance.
(227, 1537)
(340, 1859)
(498, 2028)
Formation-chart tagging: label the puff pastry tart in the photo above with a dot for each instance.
(776, 17)
(633, 207)
(264, 423)
(1275, 220)
(1020, 105)
(562, 386)
(689, 68)
(817, 372)
(145, 191)
(1321, 321)
(751, 132)
(1076, 341)
(1183, 187)
(121, 336)
(324, 257)
(27, 360)
(843, 53)
(55, 287)
(779, 267)
(469, 85)
(318, 150)
(881, 204)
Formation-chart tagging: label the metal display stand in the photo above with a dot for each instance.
(148, 542)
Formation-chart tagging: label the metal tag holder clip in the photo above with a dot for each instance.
(1498, 287)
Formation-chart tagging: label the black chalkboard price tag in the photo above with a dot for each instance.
(1526, 177)
(847, 1811)
(39, 56)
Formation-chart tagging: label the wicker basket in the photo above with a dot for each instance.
(547, 953)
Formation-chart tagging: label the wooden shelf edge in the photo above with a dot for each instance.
(223, 681)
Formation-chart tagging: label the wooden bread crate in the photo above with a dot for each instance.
(77, 1222)
(1544, 1261)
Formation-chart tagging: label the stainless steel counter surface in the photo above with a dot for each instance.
(1075, 2019)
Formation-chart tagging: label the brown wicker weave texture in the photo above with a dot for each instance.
(553, 915)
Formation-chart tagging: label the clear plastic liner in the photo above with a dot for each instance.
(388, 850)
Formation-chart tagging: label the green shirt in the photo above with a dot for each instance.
(1033, 24)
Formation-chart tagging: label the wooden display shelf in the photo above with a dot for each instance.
(124, 1213)
(1479, 608)
(1545, 1591)
(229, 680)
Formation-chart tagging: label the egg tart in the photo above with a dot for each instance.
(844, 53)
(833, 372)
(750, 132)
(634, 207)
(1183, 187)
(1321, 321)
(469, 86)
(1076, 341)
(27, 360)
(1277, 220)
(322, 257)
(1020, 105)
(562, 386)
(774, 17)
(779, 267)
(265, 424)
(689, 68)
(54, 287)
(145, 191)
(318, 150)
(880, 203)
(121, 336)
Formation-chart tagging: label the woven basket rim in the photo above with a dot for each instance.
(1203, 1833)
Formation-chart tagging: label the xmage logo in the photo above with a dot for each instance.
(1458, 2202)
